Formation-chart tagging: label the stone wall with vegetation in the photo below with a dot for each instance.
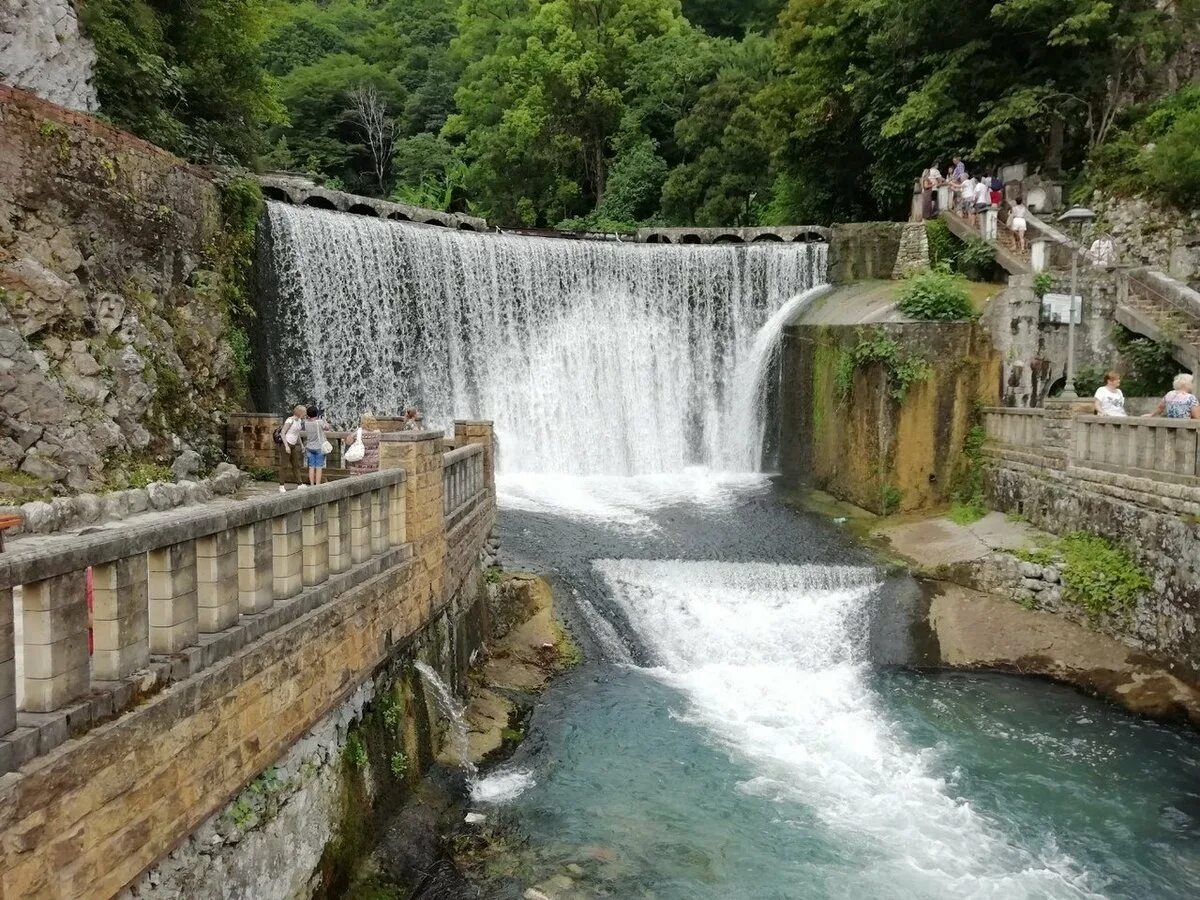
(122, 272)
(882, 415)
(1148, 232)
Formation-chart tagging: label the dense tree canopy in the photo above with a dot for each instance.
(610, 113)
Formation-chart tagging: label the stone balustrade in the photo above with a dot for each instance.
(1014, 427)
(462, 479)
(180, 590)
(1150, 448)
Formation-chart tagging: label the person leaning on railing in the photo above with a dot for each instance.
(1181, 403)
(1109, 400)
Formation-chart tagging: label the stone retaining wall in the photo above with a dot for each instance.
(88, 816)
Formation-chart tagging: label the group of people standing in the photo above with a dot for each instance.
(972, 196)
(1179, 403)
(303, 443)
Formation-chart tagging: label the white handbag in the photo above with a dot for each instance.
(355, 452)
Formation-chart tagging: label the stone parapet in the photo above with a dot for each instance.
(310, 625)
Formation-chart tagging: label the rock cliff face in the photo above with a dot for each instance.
(43, 51)
(113, 331)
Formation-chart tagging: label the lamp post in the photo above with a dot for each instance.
(1078, 216)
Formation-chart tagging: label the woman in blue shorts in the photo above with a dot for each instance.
(314, 445)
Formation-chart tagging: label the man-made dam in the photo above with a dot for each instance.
(743, 725)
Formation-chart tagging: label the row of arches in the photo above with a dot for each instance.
(323, 201)
(729, 238)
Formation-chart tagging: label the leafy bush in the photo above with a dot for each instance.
(1174, 163)
(1042, 282)
(943, 245)
(936, 295)
(1100, 577)
(976, 260)
(880, 348)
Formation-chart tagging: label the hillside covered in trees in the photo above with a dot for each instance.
(610, 113)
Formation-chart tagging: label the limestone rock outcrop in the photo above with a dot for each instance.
(113, 331)
(43, 51)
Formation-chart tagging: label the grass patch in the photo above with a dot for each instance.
(967, 513)
(1102, 579)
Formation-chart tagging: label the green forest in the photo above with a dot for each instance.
(613, 113)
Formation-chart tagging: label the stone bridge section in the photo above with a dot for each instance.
(300, 191)
(222, 634)
(773, 234)
(1134, 481)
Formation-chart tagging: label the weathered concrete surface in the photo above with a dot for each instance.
(862, 251)
(938, 541)
(43, 51)
(854, 438)
(981, 631)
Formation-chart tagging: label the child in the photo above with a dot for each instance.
(314, 445)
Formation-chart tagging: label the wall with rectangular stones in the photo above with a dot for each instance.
(87, 815)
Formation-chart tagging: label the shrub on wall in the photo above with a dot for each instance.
(936, 295)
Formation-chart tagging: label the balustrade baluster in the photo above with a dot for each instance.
(360, 528)
(337, 523)
(256, 590)
(315, 539)
(217, 581)
(396, 523)
(172, 588)
(287, 550)
(8, 668)
(54, 617)
(120, 618)
(380, 515)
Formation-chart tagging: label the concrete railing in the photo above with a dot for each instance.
(1147, 447)
(462, 478)
(1014, 427)
(192, 585)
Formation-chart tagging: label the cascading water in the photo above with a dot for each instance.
(592, 357)
(453, 711)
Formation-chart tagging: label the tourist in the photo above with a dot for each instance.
(966, 198)
(1181, 403)
(930, 179)
(1018, 222)
(983, 195)
(959, 173)
(1109, 401)
(369, 436)
(997, 190)
(314, 445)
(412, 420)
(290, 453)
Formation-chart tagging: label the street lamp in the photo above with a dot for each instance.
(1078, 216)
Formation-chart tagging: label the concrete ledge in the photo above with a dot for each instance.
(52, 555)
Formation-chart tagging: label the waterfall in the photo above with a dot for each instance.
(592, 357)
(453, 712)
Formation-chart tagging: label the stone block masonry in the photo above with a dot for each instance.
(87, 816)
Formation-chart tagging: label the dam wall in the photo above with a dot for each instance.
(231, 639)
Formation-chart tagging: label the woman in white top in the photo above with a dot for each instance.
(1109, 399)
(1017, 222)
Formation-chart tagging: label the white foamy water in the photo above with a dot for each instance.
(592, 357)
(502, 786)
(772, 657)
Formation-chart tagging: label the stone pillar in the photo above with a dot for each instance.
(988, 223)
(418, 453)
(287, 544)
(360, 528)
(396, 524)
(55, 619)
(1039, 254)
(337, 524)
(913, 254)
(380, 520)
(8, 667)
(217, 578)
(484, 432)
(173, 610)
(120, 618)
(256, 589)
(1058, 428)
(945, 198)
(315, 539)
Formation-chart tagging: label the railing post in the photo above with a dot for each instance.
(217, 581)
(989, 223)
(337, 525)
(287, 549)
(315, 528)
(54, 616)
(120, 618)
(173, 610)
(417, 452)
(360, 528)
(256, 576)
(480, 432)
(8, 668)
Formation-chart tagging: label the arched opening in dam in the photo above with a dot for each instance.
(745, 724)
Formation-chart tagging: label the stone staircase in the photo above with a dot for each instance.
(1149, 302)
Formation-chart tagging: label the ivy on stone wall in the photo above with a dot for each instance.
(231, 257)
(877, 347)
